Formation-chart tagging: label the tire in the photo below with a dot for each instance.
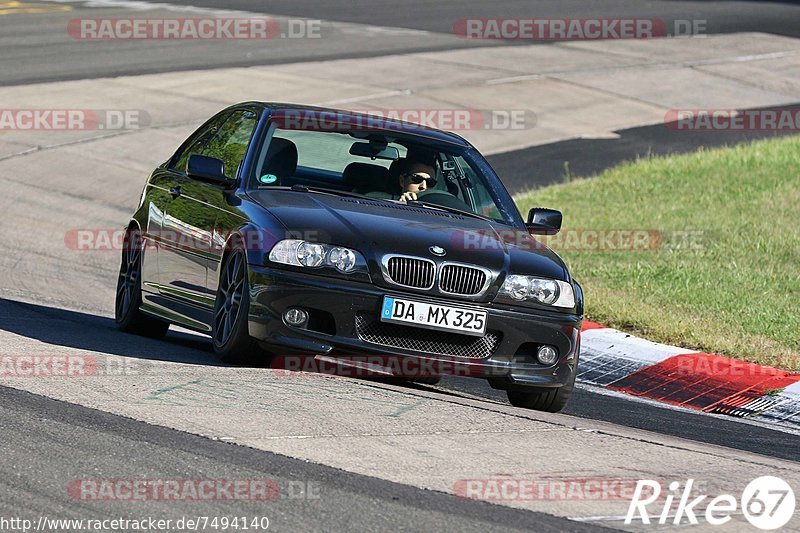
(394, 380)
(431, 381)
(229, 330)
(551, 400)
(127, 306)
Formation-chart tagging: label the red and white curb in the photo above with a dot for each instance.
(711, 383)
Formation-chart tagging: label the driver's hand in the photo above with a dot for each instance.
(407, 197)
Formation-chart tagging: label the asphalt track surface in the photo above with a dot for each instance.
(37, 47)
(722, 17)
(38, 433)
(98, 334)
(47, 443)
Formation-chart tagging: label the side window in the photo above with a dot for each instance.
(485, 204)
(198, 145)
(226, 138)
(231, 141)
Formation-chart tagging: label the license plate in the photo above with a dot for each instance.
(433, 316)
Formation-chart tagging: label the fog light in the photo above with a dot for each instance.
(295, 317)
(547, 355)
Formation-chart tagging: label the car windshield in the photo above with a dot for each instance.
(383, 165)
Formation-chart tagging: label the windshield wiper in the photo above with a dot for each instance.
(455, 210)
(298, 187)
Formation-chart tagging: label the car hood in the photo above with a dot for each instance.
(376, 228)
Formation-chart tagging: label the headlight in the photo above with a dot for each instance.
(285, 252)
(343, 259)
(543, 291)
(308, 254)
(517, 287)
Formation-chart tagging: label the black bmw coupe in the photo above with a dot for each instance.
(300, 231)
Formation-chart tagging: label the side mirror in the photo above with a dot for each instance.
(543, 221)
(208, 169)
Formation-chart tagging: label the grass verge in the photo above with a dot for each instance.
(719, 269)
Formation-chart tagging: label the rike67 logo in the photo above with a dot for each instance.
(767, 502)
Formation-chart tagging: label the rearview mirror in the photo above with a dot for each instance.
(207, 168)
(542, 221)
(370, 150)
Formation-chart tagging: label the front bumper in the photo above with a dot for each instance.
(344, 309)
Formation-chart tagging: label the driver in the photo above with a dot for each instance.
(414, 177)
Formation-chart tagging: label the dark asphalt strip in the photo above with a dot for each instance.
(173, 60)
(37, 49)
(47, 443)
(546, 164)
(777, 17)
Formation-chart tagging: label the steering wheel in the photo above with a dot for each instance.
(445, 199)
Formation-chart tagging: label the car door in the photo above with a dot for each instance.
(190, 246)
(231, 149)
(158, 195)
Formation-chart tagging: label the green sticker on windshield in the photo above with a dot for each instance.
(268, 179)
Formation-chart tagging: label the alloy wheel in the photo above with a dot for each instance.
(129, 273)
(229, 299)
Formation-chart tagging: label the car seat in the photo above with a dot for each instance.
(281, 161)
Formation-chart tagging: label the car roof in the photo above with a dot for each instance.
(376, 122)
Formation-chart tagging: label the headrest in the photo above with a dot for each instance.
(281, 159)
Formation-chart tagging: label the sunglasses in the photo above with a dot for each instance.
(416, 179)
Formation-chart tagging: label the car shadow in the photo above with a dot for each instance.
(84, 331)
